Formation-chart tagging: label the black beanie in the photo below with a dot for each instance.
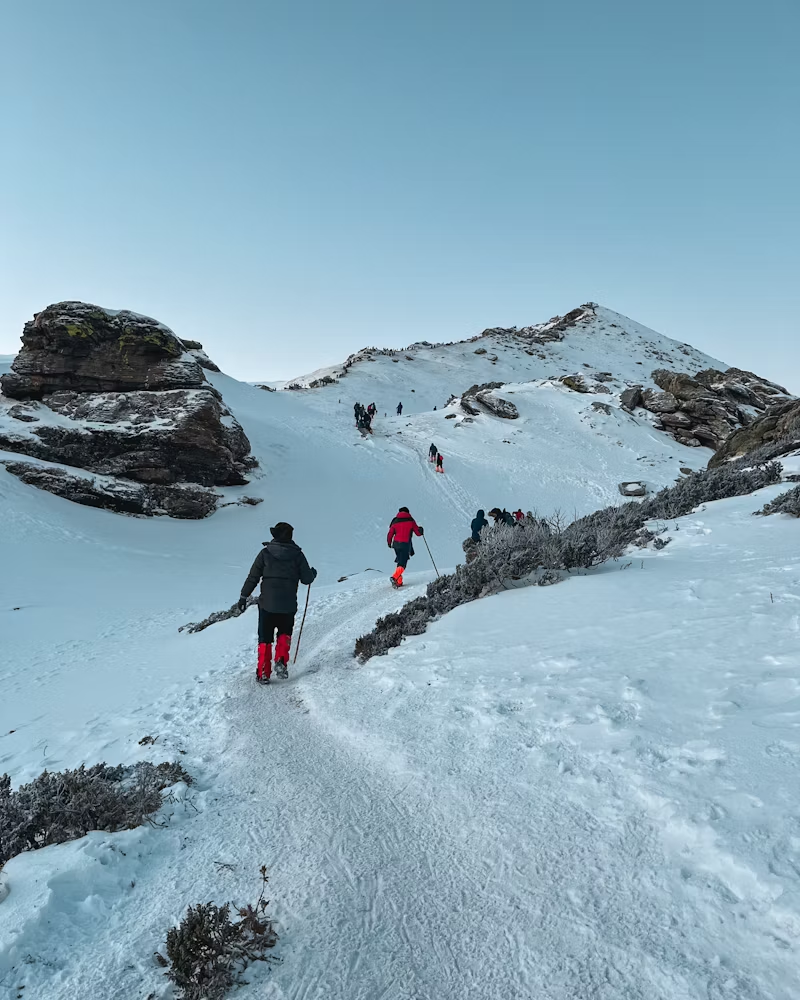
(404, 510)
(282, 532)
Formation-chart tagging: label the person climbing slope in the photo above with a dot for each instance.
(401, 530)
(478, 523)
(399, 409)
(281, 567)
(519, 515)
(433, 451)
(365, 423)
(439, 463)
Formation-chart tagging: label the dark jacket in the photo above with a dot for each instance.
(281, 567)
(401, 528)
(478, 522)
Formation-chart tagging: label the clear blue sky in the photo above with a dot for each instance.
(290, 181)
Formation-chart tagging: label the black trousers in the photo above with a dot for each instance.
(269, 621)
(402, 553)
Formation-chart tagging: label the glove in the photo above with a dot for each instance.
(389, 544)
(242, 604)
(421, 529)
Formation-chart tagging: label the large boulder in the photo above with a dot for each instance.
(483, 395)
(117, 395)
(775, 433)
(74, 345)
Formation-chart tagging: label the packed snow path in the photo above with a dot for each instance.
(532, 800)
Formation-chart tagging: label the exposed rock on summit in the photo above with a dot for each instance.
(118, 395)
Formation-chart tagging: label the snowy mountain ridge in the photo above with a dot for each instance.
(590, 336)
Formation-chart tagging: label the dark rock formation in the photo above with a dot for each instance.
(544, 333)
(73, 345)
(184, 501)
(578, 383)
(482, 394)
(704, 409)
(115, 394)
(631, 398)
(151, 437)
(777, 432)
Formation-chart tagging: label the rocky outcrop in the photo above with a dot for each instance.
(777, 432)
(706, 408)
(73, 345)
(579, 383)
(117, 495)
(549, 332)
(478, 396)
(115, 394)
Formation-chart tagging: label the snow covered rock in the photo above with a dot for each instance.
(195, 348)
(778, 430)
(482, 394)
(633, 489)
(74, 345)
(117, 495)
(152, 437)
(704, 409)
(115, 394)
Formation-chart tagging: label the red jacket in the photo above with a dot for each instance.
(401, 527)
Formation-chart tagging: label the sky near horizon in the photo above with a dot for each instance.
(290, 181)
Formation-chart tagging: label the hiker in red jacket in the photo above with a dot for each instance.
(401, 531)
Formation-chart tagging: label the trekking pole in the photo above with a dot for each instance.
(424, 539)
(302, 623)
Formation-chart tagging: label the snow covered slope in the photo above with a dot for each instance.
(579, 791)
(575, 792)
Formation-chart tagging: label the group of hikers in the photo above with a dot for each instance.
(280, 567)
(479, 522)
(364, 416)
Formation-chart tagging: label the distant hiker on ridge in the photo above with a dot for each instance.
(401, 529)
(280, 566)
(519, 515)
(399, 409)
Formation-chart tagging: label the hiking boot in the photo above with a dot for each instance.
(282, 670)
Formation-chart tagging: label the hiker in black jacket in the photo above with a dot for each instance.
(478, 523)
(281, 567)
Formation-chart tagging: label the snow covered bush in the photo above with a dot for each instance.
(208, 952)
(64, 805)
(539, 550)
(786, 503)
